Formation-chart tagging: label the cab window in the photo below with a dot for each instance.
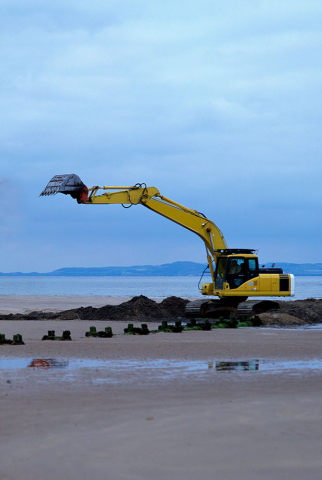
(252, 265)
(236, 272)
(252, 270)
(220, 272)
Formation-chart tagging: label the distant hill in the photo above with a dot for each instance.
(304, 269)
(180, 269)
(176, 269)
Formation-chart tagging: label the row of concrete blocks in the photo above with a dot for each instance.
(107, 333)
(17, 340)
(132, 330)
(164, 327)
(143, 330)
(51, 336)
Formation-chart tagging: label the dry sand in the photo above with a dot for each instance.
(158, 422)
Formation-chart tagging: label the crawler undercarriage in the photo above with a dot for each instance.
(221, 308)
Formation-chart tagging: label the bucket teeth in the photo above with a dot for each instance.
(68, 184)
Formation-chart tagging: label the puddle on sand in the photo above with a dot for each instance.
(114, 371)
(41, 363)
(46, 363)
(235, 366)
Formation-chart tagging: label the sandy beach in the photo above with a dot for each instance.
(159, 406)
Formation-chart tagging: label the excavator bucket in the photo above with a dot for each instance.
(69, 184)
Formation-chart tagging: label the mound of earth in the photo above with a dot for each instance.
(309, 310)
(280, 319)
(138, 307)
(298, 312)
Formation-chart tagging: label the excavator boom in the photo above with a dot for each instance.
(149, 197)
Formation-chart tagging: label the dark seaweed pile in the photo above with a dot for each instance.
(138, 307)
(145, 309)
(309, 310)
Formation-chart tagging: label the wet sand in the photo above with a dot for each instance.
(127, 423)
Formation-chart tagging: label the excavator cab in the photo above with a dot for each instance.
(240, 269)
(235, 267)
(238, 276)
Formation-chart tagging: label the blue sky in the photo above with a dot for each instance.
(215, 103)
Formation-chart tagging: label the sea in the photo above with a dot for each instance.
(152, 287)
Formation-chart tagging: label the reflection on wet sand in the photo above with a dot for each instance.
(159, 367)
(235, 366)
(46, 363)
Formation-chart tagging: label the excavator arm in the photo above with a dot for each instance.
(150, 198)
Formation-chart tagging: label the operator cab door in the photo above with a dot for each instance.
(220, 275)
(240, 269)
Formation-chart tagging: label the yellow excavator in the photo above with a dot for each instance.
(235, 273)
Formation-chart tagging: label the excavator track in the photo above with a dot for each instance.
(218, 308)
(193, 308)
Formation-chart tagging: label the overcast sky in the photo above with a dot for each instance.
(215, 103)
